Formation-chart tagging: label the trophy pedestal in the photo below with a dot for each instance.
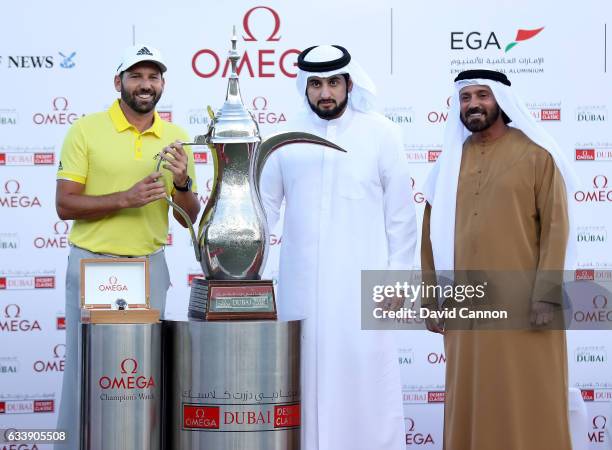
(231, 385)
(121, 388)
(231, 300)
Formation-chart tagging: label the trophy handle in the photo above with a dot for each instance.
(275, 141)
(185, 216)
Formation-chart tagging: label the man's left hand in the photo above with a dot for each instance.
(176, 162)
(542, 313)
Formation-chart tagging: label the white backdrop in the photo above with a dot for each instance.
(57, 61)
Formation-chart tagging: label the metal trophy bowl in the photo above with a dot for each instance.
(232, 241)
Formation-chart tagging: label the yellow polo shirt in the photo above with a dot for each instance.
(107, 154)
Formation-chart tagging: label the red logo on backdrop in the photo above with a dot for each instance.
(432, 155)
(165, 115)
(286, 416)
(585, 154)
(200, 157)
(245, 23)
(55, 365)
(44, 406)
(59, 238)
(550, 114)
(59, 351)
(262, 115)
(584, 274)
(435, 397)
(600, 302)
(58, 116)
(62, 102)
(600, 182)
(61, 323)
(61, 227)
(413, 438)
(439, 116)
(14, 198)
(2, 407)
(265, 63)
(13, 321)
(44, 282)
(129, 379)
(26, 159)
(599, 425)
(2, 282)
(600, 192)
(409, 424)
(599, 422)
(12, 311)
(588, 395)
(436, 358)
(201, 417)
(12, 187)
(418, 196)
(45, 159)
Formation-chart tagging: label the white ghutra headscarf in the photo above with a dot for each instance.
(325, 61)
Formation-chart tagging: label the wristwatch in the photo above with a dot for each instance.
(187, 186)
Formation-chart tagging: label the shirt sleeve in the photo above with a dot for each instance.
(272, 190)
(400, 217)
(551, 204)
(427, 260)
(74, 163)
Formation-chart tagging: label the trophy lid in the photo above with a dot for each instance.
(233, 123)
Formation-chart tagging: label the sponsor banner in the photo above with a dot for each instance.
(509, 49)
(599, 153)
(27, 406)
(591, 114)
(252, 417)
(265, 56)
(27, 282)
(423, 154)
(27, 159)
(597, 395)
(545, 112)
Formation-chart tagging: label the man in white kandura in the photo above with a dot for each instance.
(344, 212)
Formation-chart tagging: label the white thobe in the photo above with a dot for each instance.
(344, 212)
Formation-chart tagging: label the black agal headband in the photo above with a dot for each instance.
(323, 66)
(484, 74)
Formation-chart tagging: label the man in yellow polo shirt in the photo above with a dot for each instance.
(107, 184)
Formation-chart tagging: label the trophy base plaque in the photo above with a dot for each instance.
(232, 300)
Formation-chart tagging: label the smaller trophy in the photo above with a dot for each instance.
(232, 242)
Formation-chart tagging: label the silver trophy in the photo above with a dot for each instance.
(232, 241)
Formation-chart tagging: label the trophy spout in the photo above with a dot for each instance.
(278, 140)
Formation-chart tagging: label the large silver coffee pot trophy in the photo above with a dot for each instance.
(232, 240)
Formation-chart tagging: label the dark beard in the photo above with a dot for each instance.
(329, 114)
(134, 104)
(489, 119)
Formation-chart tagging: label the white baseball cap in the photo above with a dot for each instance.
(139, 53)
